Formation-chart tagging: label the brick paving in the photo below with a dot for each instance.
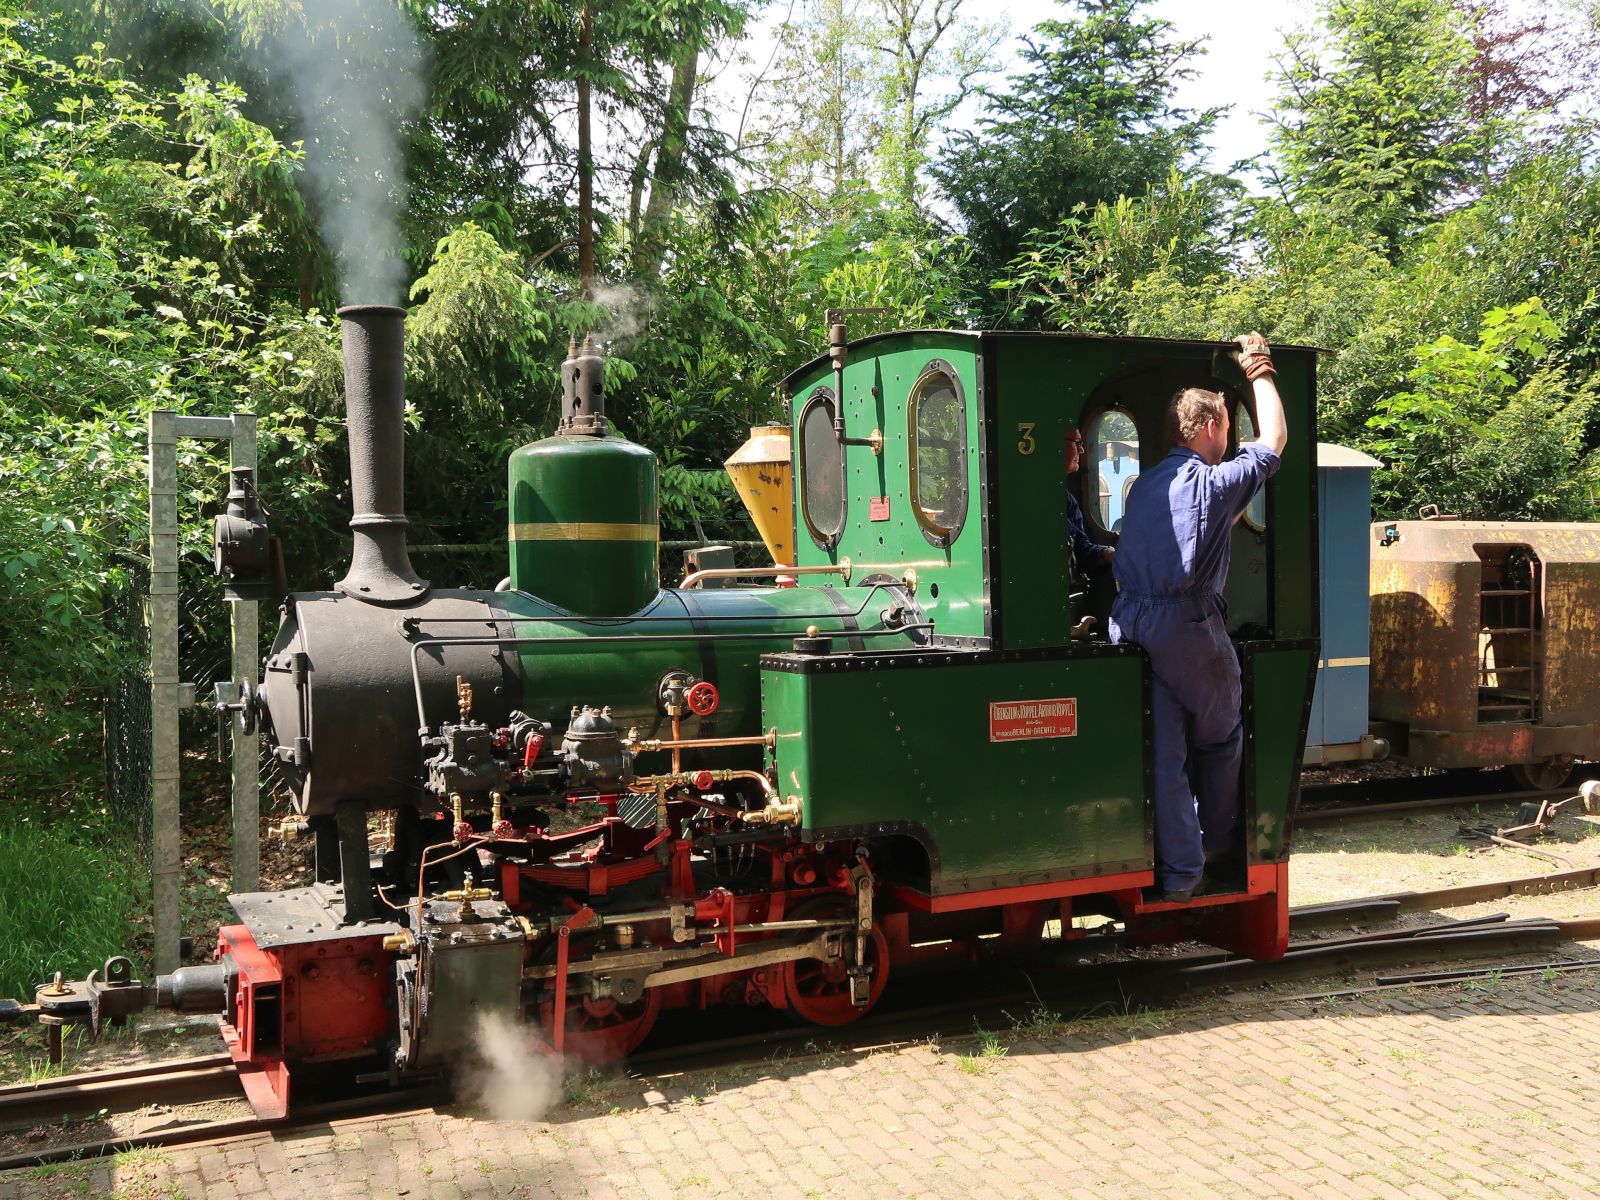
(1426, 1095)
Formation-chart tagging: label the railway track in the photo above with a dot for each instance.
(74, 1097)
(1064, 992)
(1319, 807)
(88, 1138)
(1062, 985)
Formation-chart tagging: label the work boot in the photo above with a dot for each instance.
(1184, 895)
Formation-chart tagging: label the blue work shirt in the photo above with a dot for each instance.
(1085, 550)
(1176, 535)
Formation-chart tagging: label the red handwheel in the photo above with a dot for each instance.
(702, 699)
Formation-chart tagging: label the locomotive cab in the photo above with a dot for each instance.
(1008, 758)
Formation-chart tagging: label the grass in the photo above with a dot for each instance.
(585, 1086)
(990, 1049)
(134, 1171)
(1039, 1022)
(71, 885)
(1486, 983)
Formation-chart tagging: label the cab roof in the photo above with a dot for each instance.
(787, 382)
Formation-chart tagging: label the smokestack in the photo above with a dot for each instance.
(583, 392)
(374, 391)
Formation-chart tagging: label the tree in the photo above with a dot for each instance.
(1494, 427)
(1090, 119)
(1083, 274)
(813, 133)
(1374, 118)
(1527, 65)
(919, 59)
(123, 293)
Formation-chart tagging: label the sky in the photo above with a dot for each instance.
(1241, 37)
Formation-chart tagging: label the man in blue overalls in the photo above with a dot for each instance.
(1171, 565)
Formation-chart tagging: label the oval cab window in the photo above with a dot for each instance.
(821, 471)
(937, 415)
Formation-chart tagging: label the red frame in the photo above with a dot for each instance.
(332, 1002)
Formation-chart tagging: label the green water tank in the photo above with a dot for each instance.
(584, 524)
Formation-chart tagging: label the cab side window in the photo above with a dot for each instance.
(1245, 432)
(937, 415)
(821, 471)
(1111, 462)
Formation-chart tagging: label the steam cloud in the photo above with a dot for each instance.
(357, 70)
(510, 1078)
(629, 308)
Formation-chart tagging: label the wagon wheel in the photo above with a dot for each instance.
(602, 1031)
(819, 992)
(1542, 776)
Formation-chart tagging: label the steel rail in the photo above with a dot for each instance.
(1356, 809)
(1072, 991)
(52, 1100)
(388, 1103)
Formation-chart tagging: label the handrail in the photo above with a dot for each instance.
(842, 568)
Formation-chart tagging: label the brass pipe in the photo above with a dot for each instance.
(768, 739)
(677, 741)
(648, 784)
(842, 568)
(896, 567)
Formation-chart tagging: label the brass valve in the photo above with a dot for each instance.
(777, 813)
(464, 698)
(467, 895)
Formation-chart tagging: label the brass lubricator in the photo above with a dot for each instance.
(464, 698)
(467, 895)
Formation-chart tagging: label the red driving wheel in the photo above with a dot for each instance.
(819, 992)
(601, 1031)
(702, 699)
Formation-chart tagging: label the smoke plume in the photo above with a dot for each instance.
(356, 69)
(510, 1078)
(628, 307)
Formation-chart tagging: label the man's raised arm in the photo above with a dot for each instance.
(1255, 358)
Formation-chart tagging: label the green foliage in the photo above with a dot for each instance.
(1082, 274)
(1489, 428)
(1375, 122)
(482, 329)
(1089, 120)
(122, 223)
(69, 893)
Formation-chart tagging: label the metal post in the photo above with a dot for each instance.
(163, 615)
(246, 746)
(167, 691)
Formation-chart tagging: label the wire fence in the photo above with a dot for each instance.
(127, 710)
